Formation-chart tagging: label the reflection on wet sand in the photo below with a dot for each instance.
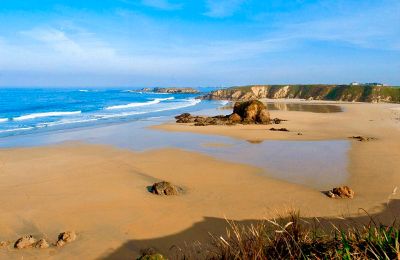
(314, 108)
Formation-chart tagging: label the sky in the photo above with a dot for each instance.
(215, 43)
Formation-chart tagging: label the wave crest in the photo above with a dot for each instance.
(45, 114)
(136, 104)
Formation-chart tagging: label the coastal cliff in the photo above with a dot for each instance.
(352, 93)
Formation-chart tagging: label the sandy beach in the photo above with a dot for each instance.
(100, 191)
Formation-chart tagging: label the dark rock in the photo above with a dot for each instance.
(279, 129)
(277, 121)
(341, 192)
(249, 112)
(362, 138)
(164, 188)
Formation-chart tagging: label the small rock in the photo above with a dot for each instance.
(25, 242)
(341, 192)
(164, 188)
(277, 121)
(42, 243)
(4, 243)
(65, 237)
(362, 138)
(279, 129)
(299, 133)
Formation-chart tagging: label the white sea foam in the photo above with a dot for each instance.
(83, 90)
(66, 122)
(185, 103)
(136, 104)
(45, 114)
(16, 129)
(2, 120)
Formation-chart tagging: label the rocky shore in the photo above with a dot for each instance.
(248, 112)
(171, 90)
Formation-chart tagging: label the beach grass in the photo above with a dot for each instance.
(298, 238)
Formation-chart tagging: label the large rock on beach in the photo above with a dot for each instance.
(252, 112)
(248, 112)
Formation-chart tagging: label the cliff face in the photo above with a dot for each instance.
(373, 94)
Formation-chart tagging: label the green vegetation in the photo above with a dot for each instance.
(297, 238)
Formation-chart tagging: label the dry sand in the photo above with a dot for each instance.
(100, 192)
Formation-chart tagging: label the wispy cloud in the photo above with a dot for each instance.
(222, 8)
(161, 4)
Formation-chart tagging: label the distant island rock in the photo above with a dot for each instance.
(171, 90)
(373, 93)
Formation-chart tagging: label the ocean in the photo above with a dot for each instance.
(24, 111)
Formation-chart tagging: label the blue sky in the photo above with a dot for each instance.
(198, 43)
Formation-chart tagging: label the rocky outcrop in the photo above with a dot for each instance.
(171, 90)
(252, 112)
(164, 188)
(341, 192)
(248, 112)
(361, 93)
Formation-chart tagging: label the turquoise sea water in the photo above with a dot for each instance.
(31, 110)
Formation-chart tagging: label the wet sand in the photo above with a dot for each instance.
(100, 191)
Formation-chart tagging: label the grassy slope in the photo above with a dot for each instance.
(328, 92)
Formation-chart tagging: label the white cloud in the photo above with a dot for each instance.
(222, 8)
